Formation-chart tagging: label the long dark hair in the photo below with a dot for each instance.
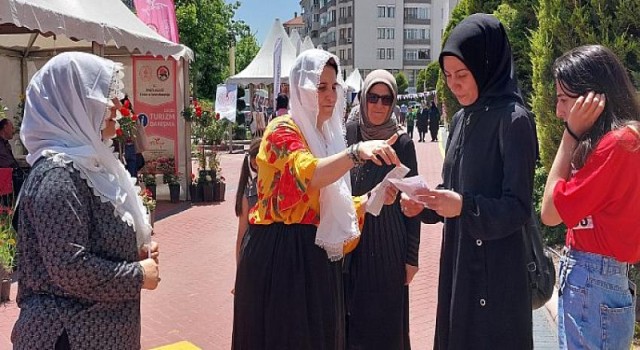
(596, 68)
(245, 173)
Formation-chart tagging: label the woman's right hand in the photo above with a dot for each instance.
(375, 149)
(585, 112)
(409, 207)
(151, 274)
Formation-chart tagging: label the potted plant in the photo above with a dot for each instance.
(150, 183)
(7, 251)
(173, 180)
(221, 187)
(149, 203)
(195, 191)
(207, 188)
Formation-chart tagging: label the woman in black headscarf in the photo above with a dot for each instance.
(484, 299)
(380, 269)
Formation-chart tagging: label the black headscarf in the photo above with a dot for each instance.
(481, 43)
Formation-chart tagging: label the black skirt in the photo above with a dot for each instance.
(288, 295)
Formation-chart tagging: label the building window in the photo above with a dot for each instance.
(341, 55)
(349, 54)
(386, 11)
(386, 33)
(416, 13)
(390, 54)
(349, 13)
(381, 54)
(349, 32)
(417, 54)
(416, 34)
(342, 31)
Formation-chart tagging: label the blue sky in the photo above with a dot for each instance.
(260, 14)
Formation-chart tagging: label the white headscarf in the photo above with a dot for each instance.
(338, 220)
(66, 105)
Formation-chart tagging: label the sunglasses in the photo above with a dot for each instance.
(387, 100)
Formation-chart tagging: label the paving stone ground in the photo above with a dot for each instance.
(194, 303)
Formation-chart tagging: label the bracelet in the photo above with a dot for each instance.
(575, 137)
(354, 154)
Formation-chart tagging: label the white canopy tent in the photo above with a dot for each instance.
(307, 44)
(296, 41)
(32, 31)
(260, 70)
(354, 81)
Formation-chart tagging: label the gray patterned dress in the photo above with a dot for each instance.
(77, 266)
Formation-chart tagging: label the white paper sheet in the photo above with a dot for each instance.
(375, 203)
(410, 185)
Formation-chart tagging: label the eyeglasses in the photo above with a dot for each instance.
(387, 100)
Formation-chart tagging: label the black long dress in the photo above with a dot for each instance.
(377, 299)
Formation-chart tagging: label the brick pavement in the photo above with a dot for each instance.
(194, 303)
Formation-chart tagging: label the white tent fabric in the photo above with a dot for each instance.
(307, 44)
(75, 23)
(354, 81)
(260, 70)
(296, 41)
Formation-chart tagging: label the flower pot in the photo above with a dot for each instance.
(174, 193)
(207, 190)
(5, 289)
(220, 189)
(195, 193)
(152, 189)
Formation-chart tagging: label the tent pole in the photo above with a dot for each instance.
(187, 126)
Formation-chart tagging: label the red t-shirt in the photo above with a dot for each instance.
(600, 203)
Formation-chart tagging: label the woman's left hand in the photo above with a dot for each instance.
(410, 271)
(390, 194)
(446, 203)
(143, 253)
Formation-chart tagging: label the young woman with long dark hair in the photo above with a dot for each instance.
(594, 189)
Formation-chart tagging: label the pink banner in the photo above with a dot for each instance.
(159, 15)
(155, 101)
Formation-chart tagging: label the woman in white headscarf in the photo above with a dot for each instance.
(288, 292)
(84, 237)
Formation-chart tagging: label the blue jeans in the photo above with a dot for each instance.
(596, 304)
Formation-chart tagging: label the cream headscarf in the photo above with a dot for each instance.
(369, 131)
(66, 105)
(338, 220)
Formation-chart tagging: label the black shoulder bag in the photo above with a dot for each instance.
(542, 273)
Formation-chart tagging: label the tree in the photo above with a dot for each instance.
(208, 28)
(402, 82)
(428, 77)
(246, 50)
(563, 26)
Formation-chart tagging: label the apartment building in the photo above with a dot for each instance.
(397, 35)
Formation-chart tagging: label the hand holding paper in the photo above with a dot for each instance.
(378, 194)
(413, 186)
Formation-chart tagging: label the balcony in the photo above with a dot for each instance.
(330, 3)
(345, 20)
(422, 42)
(346, 62)
(415, 20)
(419, 63)
(417, 1)
(331, 44)
(331, 24)
(315, 26)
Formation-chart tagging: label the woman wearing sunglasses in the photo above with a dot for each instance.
(380, 269)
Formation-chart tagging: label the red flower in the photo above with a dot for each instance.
(125, 112)
(310, 217)
(134, 117)
(272, 157)
(305, 198)
(198, 111)
(287, 190)
(217, 116)
(127, 104)
(119, 132)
